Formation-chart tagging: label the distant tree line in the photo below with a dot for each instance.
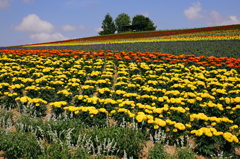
(139, 23)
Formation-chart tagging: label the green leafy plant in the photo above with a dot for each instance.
(19, 144)
(158, 151)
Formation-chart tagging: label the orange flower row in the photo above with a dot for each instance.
(131, 56)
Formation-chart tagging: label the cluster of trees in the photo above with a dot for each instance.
(139, 23)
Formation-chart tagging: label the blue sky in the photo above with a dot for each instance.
(36, 21)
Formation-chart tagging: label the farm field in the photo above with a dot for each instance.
(66, 102)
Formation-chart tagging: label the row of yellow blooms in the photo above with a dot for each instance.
(153, 80)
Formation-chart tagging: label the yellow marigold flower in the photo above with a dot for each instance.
(188, 125)
(209, 134)
(150, 117)
(95, 112)
(235, 139)
(37, 104)
(215, 133)
(121, 110)
(172, 122)
(218, 120)
(199, 98)
(102, 110)
(76, 112)
(24, 100)
(213, 130)
(180, 126)
(160, 99)
(165, 109)
(199, 132)
(113, 111)
(91, 116)
(156, 126)
(235, 126)
(230, 139)
(213, 124)
(131, 115)
(139, 118)
(160, 115)
(167, 130)
(237, 100)
(150, 121)
(65, 108)
(17, 99)
(80, 97)
(227, 100)
(193, 131)
(58, 105)
(228, 136)
(221, 109)
(162, 123)
(175, 130)
(84, 109)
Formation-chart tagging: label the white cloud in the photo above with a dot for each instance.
(216, 19)
(45, 37)
(98, 29)
(68, 28)
(192, 12)
(39, 30)
(4, 4)
(145, 14)
(74, 28)
(28, 1)
(83, 28)
(33, 24)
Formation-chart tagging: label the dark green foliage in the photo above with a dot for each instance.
(185, 153)
(122, 20)
(149, 26)
(108, 26)
(141, 23)
(24, 145)
(158, 151)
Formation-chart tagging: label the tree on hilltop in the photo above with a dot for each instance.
(149, 25)
(141, 23)
(122, 20)
(108, 26)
